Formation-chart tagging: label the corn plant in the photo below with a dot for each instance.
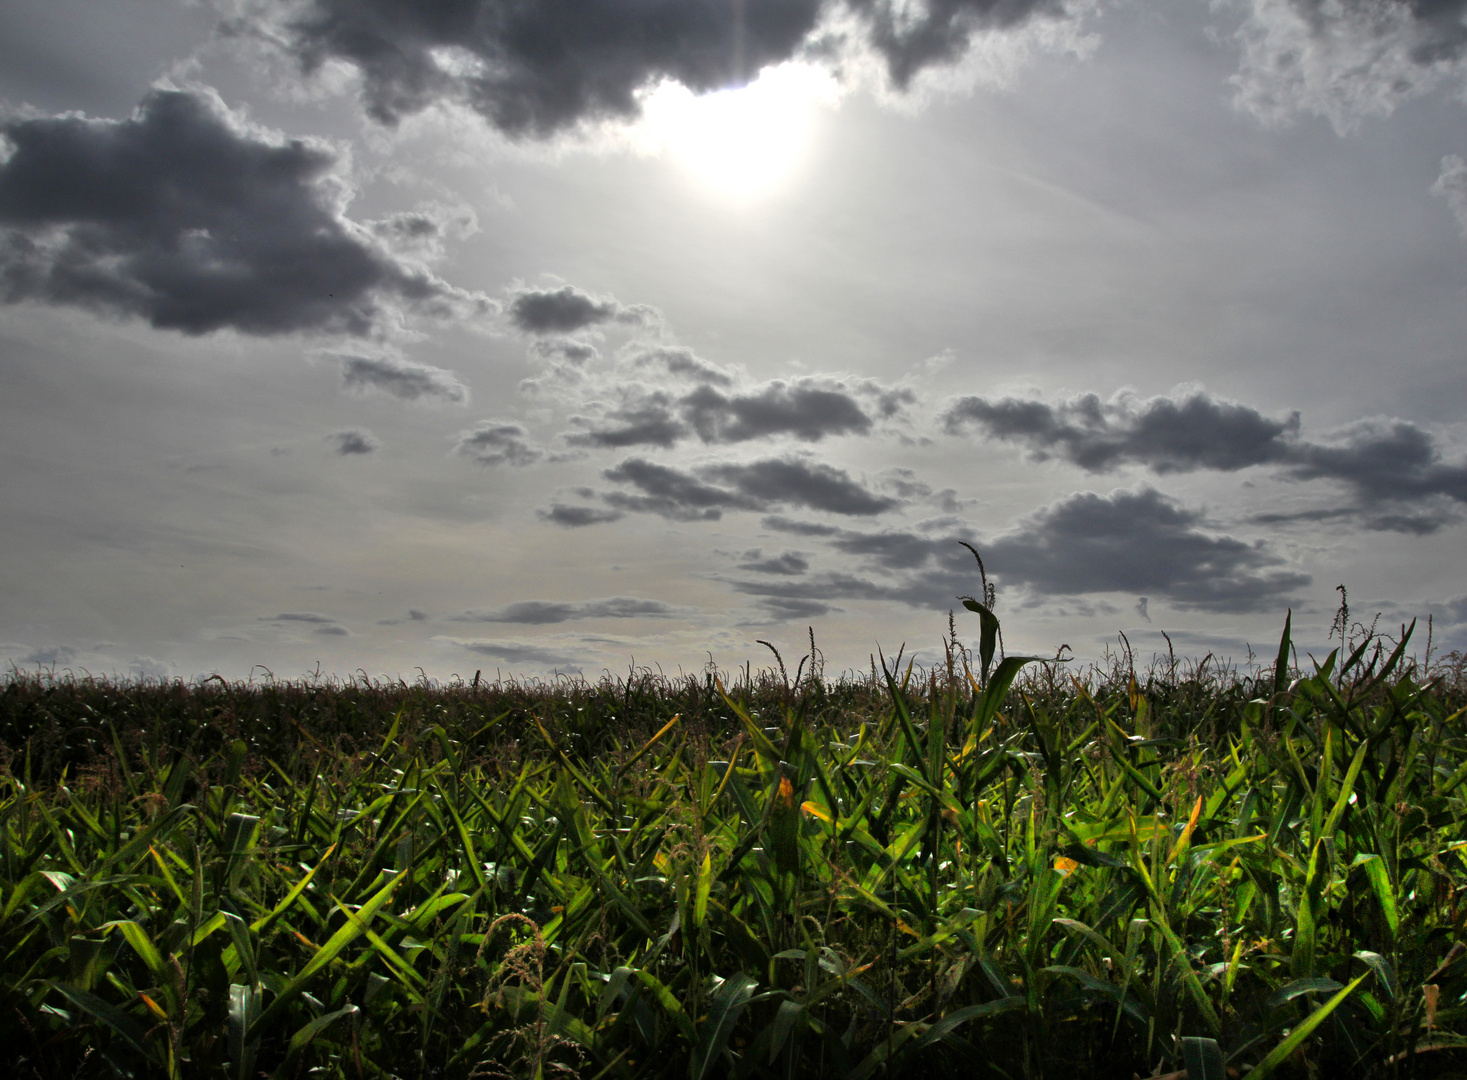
(999, 869)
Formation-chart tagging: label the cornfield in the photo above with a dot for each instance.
(995, 870)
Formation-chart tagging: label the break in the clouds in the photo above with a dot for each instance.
(405, 379)
(708, 490)
(546, 612)
(355, 441)
(536, 69)
(567, 309)
(1382, 463)
(186, 217)
(1347, 59)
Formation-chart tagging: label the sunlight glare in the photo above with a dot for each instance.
(740, 143)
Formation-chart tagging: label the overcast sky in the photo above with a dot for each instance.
(376, 336)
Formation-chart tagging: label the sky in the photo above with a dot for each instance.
(391, 339)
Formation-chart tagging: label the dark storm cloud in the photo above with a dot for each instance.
(1196, 432)
(757, 485)
(298, 616)
(545, 612)
(1138, 542)
(498, 442)
(355, 441)
(567, 309)
(402, 379)
(180, 216)
(534, 69)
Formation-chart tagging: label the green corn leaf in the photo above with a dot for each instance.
(324, 955)
(1281, 662)
(119, 1022)
(1203, 1059)
(1281, 1052)
(244, 1008)
(1380, 881)
(302, 1038)
(141, 944)
(987, 633)
(1384, 972)
(723, 1013)
(701, 891)
(784, 1022)
(949, 1023)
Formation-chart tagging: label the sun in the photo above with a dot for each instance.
(741, 143)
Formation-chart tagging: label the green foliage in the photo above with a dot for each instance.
(999, 871)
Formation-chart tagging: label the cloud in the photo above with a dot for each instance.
(185, 217)
(1165, 435)
(757, 485)
(520, 652)
(1346, 59)
(545, 612)
(498, 442)
(793, 609)
(643, 419)
(912, 37)
(531, 70)
(354, 441)
(800, 482)
(298, 616)
(1385, 463)
(679, 361)
(422, 231)
(404, 379)
(1452, 186)
(788, 564)
(332, 631)
(51, 657)
(578, 517)
(806, 409)
(1141, 543)
(1138, 543)
(671, 493)
(565, 350)
(567, 309)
